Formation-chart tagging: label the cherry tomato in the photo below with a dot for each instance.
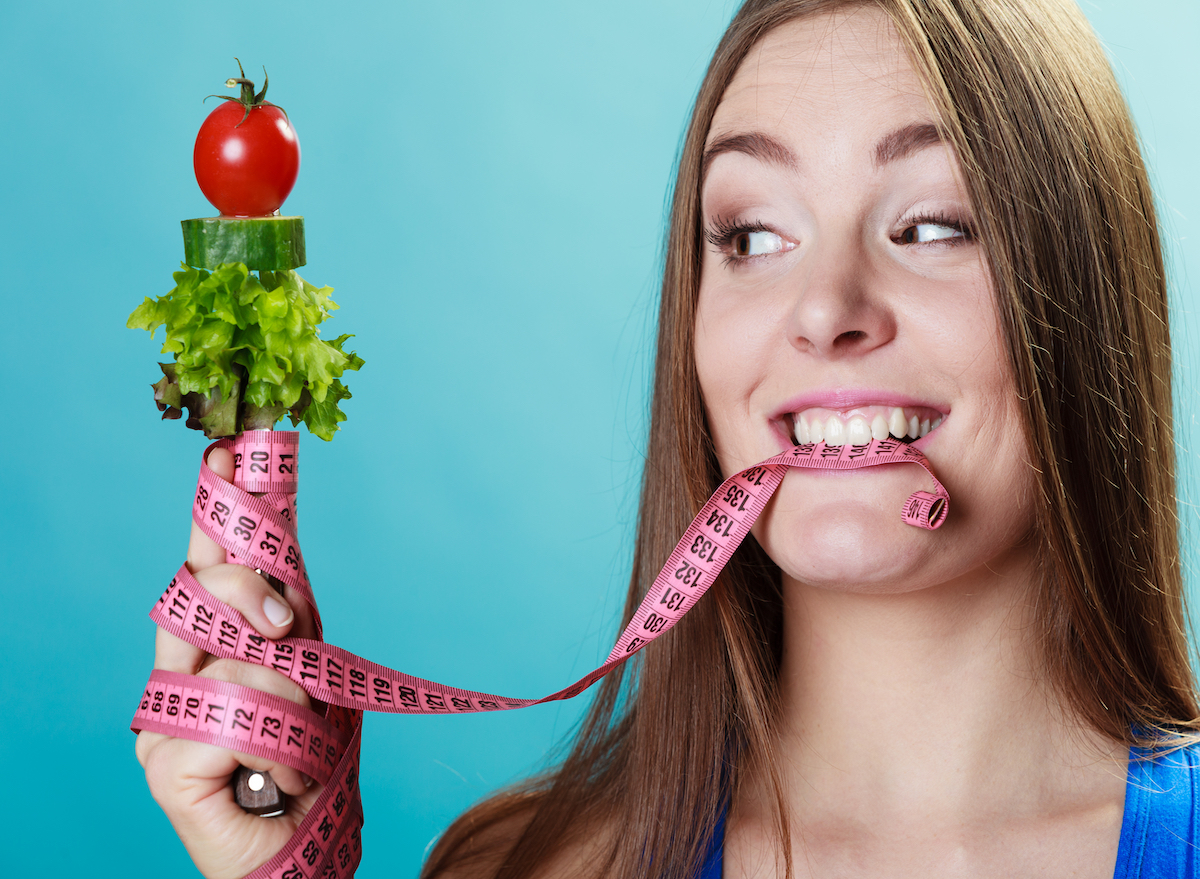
(246, 168)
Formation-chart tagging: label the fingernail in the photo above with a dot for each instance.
(277, 612)
(307, 780)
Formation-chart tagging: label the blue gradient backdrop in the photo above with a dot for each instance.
(484, 186)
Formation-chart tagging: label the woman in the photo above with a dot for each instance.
(921, 217)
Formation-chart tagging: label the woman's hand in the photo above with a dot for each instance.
(191, 780)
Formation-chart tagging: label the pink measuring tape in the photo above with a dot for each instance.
(260, 532)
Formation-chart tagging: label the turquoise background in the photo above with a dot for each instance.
(483, 185)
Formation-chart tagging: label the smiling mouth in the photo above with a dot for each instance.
(861, 424)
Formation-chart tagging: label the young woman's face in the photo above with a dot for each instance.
(843, 294)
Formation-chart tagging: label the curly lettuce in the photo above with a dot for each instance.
(247, 351)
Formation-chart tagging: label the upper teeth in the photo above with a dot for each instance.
(836, 429)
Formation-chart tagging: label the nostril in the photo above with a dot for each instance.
(852, 336)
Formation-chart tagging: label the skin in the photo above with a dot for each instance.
(916, 736)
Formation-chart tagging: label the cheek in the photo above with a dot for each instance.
(726, 367)
(997, 485)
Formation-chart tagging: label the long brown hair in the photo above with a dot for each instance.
(1066, 217)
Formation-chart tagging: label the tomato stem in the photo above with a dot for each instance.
(247, 98)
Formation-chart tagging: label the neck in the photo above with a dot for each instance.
(927, 703)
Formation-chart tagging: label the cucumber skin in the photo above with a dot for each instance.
(262, 243)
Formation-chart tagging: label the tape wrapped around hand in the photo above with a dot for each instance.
(260, 532)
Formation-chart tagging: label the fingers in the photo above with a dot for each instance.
(257, 677)
(244, 591)
(190, 781)
(250, 595)
(203, 551)
(182, 773)
(265, 680)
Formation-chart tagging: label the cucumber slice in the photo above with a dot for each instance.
(270, 243)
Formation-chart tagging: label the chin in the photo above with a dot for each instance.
(848, 547)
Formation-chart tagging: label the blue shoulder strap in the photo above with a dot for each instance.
(1160, 831)
(714, 858)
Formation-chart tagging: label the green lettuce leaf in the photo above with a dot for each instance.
(247, 351)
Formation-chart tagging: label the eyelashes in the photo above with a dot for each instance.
(737, 238)
(722, 231)
(910, 229)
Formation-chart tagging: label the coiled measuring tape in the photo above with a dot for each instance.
(260, 532)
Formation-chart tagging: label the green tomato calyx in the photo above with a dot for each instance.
(247, 98)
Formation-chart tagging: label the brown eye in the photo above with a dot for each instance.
(920, 233)
(747, 244)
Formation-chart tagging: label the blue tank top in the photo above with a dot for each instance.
(1160, 830)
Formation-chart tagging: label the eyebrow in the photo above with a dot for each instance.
(893, 147)
(903, 142)
(755, 144)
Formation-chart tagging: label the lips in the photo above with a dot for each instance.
(860, 424)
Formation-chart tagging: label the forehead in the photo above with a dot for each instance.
(822, 74)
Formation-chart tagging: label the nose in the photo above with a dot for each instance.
(841, 308)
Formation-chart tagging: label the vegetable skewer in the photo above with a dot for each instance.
(246, 347)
